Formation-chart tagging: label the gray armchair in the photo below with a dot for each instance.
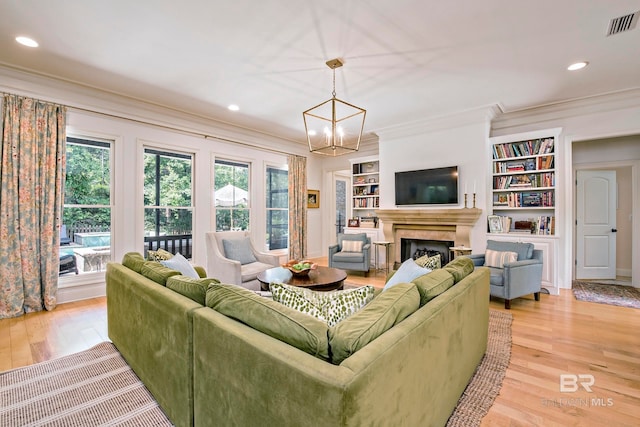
(348, 260)
(238, 264)
(517, 278)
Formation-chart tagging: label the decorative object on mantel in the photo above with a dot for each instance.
(474, 195)
(334, 127)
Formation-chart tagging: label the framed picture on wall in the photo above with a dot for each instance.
(313, 199)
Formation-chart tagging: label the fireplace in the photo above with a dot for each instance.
(449, 227)
(415, 248)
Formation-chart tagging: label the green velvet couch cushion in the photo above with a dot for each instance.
(269, 317)
(195, 289)
(386, 310)
(157, 272)
(133, 261)
(432, 284)
(460, 268)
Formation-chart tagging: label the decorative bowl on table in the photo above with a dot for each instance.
(300, 268)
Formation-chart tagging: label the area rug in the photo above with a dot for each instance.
(91, 388)
(97, 387)
(486, 382)
(624, 296)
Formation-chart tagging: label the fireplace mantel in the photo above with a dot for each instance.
(439, 224)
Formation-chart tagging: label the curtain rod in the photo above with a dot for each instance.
(166, 127)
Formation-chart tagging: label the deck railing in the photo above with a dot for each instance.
(181, 243)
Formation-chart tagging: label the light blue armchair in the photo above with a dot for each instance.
(516, 278)
(341, 256)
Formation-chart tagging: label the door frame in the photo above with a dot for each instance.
(635, 245)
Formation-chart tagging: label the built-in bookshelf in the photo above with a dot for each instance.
(365, 185)
(523, 188)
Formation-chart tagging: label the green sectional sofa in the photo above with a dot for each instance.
(404, 359)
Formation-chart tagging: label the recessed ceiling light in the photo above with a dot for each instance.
(233, 107)
(577, 66)
(26, 41)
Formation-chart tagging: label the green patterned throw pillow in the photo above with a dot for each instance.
(295, 300)
(431, 262)
(331, 307)
(159, 255)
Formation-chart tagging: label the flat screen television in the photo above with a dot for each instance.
(437, 186)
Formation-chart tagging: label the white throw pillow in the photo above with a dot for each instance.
(352, 246)
(181, 264)
(408, 271)
(497, 259)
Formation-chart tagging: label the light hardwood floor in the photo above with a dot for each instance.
(558, 335)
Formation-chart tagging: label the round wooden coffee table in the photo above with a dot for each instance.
(320, 279)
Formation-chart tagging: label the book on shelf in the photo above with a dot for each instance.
(546, 225)
(523, 148)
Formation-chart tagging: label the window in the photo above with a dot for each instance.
(86, 218)
(231, 193)
(277, 188)
(168, 201)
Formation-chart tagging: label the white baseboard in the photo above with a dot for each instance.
(623, 272)
(81, 291)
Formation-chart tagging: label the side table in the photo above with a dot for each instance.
(455, 251)
(386, 246)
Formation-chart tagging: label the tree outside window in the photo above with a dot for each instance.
(277, 186)
(168, 201)
(87, 205)
(231, 194)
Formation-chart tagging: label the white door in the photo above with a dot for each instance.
(596, 225)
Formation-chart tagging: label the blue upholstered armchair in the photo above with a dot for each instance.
(351, 253)
(516, 269)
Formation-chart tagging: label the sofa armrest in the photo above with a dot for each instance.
(267, 258)
(522, 278)
(224, 269)
(478, 259)
(366, 249)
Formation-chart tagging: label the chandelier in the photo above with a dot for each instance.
(334, 127)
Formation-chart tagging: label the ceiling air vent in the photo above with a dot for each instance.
(623, 23)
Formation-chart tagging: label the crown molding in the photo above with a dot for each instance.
(91, 100)
(482, 115)
(567, 109)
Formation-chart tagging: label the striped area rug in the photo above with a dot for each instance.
(91, 388)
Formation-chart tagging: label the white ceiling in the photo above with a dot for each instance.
(405, 61)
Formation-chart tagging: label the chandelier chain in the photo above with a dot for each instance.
(334, 83)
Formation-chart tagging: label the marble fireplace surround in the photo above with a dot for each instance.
(427, 224)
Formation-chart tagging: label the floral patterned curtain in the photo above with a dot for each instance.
(297, 207)
(32, 171)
